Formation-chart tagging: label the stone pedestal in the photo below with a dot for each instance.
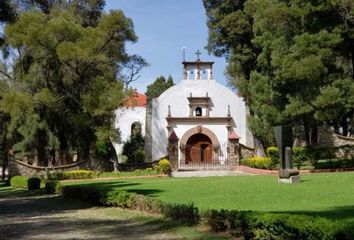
(290, 180)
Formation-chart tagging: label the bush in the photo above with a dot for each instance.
(33, 183)
(184, 213)
(273, 154)
(19, 182)
(119, 198)
(291, 226)
(78, 174)
(222, 220)
(163, 166)
(258, 162)
(53, 187)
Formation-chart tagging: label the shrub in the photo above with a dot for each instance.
(78, 174)
(119, 198)
(163, 166)
(19, 182)
(273, 154)
(291, 226)
(53, 187)
(33, 183)
(184, 213)
(221, 220)
(258, 162)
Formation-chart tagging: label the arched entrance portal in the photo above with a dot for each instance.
(199, 149)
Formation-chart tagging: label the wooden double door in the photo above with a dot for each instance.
(199, 149)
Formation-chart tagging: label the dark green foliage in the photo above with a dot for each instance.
(19, 182)
(33, 183)
(293, 227)
(160, 85)
(53, 187)
(184, 213)
(134, 149)
(67, 74)
(292, 62)
(222, 220)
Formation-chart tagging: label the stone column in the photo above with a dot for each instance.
(233, 153)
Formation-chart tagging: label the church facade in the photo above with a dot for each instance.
(197, 123)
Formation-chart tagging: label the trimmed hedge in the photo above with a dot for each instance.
(19, 182)
(245, 224)
(258, 162)
(75, 174)
(53, 187)
(33, 183)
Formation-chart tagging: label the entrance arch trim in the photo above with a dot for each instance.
(203, 130)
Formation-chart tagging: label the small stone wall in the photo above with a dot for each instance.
(343, 146)
(327, 138)
(246, 152)
(17, 167)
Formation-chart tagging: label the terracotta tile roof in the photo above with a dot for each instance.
(233, 135)
(172, 136)
(136, 100)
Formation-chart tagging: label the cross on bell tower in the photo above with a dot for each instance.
(198, 53)
(197, 70)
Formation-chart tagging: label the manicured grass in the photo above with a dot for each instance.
(327, 194)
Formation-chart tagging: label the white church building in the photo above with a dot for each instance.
(197, 123)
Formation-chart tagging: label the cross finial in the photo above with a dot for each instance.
(198, 53)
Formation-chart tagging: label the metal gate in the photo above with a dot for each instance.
(204, 158)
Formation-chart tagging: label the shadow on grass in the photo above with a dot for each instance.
(121, 184)
(340, 213)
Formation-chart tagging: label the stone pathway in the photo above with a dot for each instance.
(51, 217)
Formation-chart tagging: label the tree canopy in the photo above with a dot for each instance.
(160, 85)
(64, 91)
(292, 61)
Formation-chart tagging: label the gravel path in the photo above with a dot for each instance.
(25, 216)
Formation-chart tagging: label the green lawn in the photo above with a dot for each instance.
(327, 194)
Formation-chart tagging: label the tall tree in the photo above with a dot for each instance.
(301, 70)
(65, 91)
(160, 85)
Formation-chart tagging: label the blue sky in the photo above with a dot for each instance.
(163, 28)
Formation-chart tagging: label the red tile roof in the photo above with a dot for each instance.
(233, 135)
(172, 136)
(136, 100)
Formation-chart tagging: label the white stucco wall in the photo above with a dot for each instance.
(125, 117)
(177, 98)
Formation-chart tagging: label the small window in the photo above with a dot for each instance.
(135, 128)
(198, 111)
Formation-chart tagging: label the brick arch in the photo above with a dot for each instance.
(203, 130)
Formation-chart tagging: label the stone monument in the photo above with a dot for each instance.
(284, 139)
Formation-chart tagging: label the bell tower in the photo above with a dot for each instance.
(197, 70)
